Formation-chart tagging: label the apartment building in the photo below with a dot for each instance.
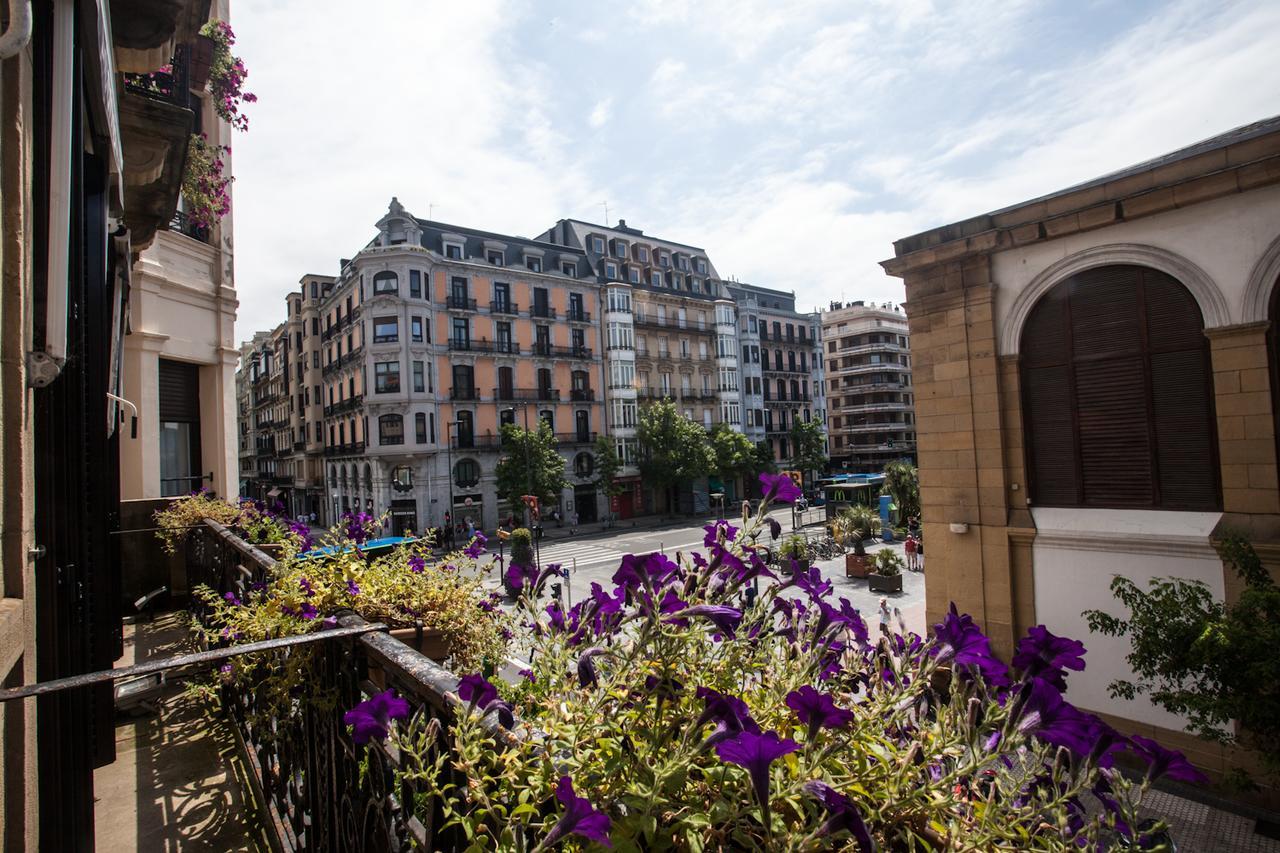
(670, 332)
(869, 391)
(247, 428)
(782, 366)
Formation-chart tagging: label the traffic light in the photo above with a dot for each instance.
(891, 444)
(797, 477)
(531, 501)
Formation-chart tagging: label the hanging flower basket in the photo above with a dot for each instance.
(202, 50)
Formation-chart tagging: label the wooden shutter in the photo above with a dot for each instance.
(179, 388)
(1117, 394)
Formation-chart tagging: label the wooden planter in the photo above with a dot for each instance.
(274, 550)
(433, 644)
(884, 583)
(201, 62)
(857, 565)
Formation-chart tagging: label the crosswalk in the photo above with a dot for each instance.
(586, 555)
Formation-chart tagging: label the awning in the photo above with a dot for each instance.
(274, 493)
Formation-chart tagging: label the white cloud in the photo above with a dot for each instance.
(600, 113)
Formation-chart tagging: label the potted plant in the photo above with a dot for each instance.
(175, 521)
(857, 523)
(887, 576)
(793, 548)
(521, 556)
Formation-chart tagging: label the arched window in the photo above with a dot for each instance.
(584, 465)
(385, 282)
(466, 473)
(1117, 394)
(390, 429)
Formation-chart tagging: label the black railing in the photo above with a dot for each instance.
(579, 316)
(582, 395)
(461, 303)
(548, 351)
(575, 438)
(350, 448)
(509, 394)
(183, 224)
(499, 306)
(457, 393)
(170, 86)
(544, 311)
(477, 442)
(500, 347)
(319, 789)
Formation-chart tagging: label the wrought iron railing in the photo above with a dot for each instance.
(318, 789)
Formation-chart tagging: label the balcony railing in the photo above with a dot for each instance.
(171, 86)
(499, 306)
(351, 448)
(499, 347)
(512, 394)
(457, 393)
(344, 405)
(578, 316)
(548, 351)
(320, 790)
(183, 224)
(460, 303)
(544, 311)
(477, 442)
(582, 395)
(569, 438)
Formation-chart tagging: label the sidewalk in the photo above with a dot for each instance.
(550, 532)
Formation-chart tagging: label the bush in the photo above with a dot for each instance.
(522, 546)
(663, 714)
(888, 563)
(793, 547)
(856, 524)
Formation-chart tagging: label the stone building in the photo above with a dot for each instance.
(1094, 383)
(868, 367)
(670, 333)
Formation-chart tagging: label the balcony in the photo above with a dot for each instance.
(464, 393)
(487, 442)
(566, 439)
(181, 223)
(546, 312)
(484, 346)
(546, 350)
(526, 394)
(582, 395)
(887, 426)
(351, 448)
(504, 307)
(346, 405)
(578, 316)
(655, 322)
(460, 303)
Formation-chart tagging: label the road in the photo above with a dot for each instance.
(594, 557)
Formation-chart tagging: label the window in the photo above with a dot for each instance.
(419, 378)
(461, 333)
(415, 284)
(464, 430)
(420, 425)
(569, 268)
(453, 250)
(597, 245)
(664, 259)
(655, 278)
(702, 266)
(463, 382)
(611, 271)
(466, 473)
(494, 257)
(624, 413)
(622, 374)
(633, 275)
(642, 254)
(386, 282)
(390, 430)
(386, 330)
(533, 263)
(415, 330)
(179, 410)
(315, 359)
(1117, 396)
(584, 465)
(386, 377)
(619, 299)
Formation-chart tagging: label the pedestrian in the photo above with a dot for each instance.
(471, 529)
(313, 518)
(573, 524)
(555, 516)
(448, 531)
(884, 615)
(910, 547)
(920, 554)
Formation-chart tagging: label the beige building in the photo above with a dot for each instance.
(869, 394)
(1094, 383)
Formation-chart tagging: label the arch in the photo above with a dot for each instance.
(368, 478)
(1256, 307)
(1213, 305)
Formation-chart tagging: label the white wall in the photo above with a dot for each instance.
(1076, 554)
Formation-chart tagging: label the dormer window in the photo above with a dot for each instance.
(702, 266)
(619, 249)
(385, 282)
(684, 263)
(611, 271)
(494, 257)
(655, 278)
(569, 268)
(642, 254)
(677, 282)
(664, 259)
(534, 264)
(633, 275)
(453, 251)
(597, 245)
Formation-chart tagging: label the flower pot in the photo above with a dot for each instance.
(433, 644)
(884, 583)
(201, 62)
(856, 565)
(274, 550)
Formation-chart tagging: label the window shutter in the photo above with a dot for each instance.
(179, 386)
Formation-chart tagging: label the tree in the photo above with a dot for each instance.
(733, 454)
(1197, 657)
(607, 466)
(902, 483)
(673, 449)
(764, 458)
(808, 447)
(530, 464)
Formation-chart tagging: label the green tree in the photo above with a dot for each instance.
(902, 483)
(1210, 662)
(808, 447)
(764, 458)
(733, 454)
(672, 449)
(607, 466)
(530, 464)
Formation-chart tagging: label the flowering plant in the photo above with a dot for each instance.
(670, 713)
(226, 76)
(205, 188)
(188, 511)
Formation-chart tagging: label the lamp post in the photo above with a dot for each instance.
(528, 472)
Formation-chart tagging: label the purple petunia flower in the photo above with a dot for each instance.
(372, 717)
(476, 547)
(357, 526)
(587, 669)
(960, 638)
(328, 623)
(518, 575)
(808, 579)
(756, 752)
(232, 599)
(306, 587)
(1165, 762)
(817, 710)
(352, 588)
(648, 571)
(527, 675)
(718, 533)
(417, 564)
(308, 611)
(579, 818)
(1041, 654)
(843, 815)
(780, 488)
(729, 712)
(725, 618)
(775, 527)
(1053, 719)
(476, 690)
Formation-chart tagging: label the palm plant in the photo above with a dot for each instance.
(857, 523)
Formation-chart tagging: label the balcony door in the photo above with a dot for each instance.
(506, 383)
(461, 333)
(582, 425)
(466, 430)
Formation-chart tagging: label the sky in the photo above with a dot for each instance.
(794, 141)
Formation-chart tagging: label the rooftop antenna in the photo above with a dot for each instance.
(431, 211)
(606, 212)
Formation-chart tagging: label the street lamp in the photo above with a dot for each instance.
(528, 471)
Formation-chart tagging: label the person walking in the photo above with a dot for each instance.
(884, 616)
(910, 548)
(920, 554)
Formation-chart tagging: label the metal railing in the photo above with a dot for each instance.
(461, 303)
(549, 351)
(499, 306)
(512, 394)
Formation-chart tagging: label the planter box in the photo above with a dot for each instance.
(432, 644)
(857, 566)
(201, 62)
(884, 583)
